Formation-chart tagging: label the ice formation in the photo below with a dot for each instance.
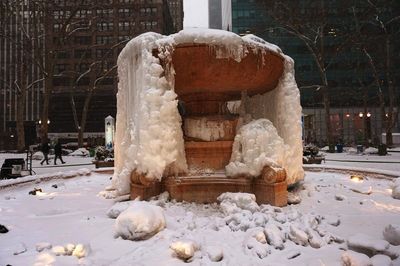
(149, 137)
(282, 107)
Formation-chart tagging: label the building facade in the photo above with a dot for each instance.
(346, 93)
(84, 39)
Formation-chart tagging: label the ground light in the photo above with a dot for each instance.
(356, 178)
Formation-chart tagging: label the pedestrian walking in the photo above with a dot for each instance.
(45, 148)
(58, 153)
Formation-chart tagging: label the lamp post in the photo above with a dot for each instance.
(109, 124)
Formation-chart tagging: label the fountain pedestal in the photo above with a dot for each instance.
(204, 84)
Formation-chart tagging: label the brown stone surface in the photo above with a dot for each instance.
(145, 192)
(198, 71)
(207, 189)
(208, 154)
(273, 175)
(273, 194)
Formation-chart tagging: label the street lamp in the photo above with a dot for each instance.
(109, 124)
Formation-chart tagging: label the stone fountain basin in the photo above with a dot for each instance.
(200, 72)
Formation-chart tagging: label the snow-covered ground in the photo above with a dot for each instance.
(70, 211)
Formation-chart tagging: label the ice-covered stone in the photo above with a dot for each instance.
(214, 253)
(117, 208)
(184, 249)
(58, 250)
(81, 250)
(274, 235)
(69, 248)
(298, 236)
(314, 238)
(140, 221)
(293, 198)
(365, 244)
(381, 260)
(391, 233)
(396, 189)
(232, 202)
(351, 258)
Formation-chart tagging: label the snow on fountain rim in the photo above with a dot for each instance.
(213, 37)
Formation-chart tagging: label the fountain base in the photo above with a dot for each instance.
(206, 189)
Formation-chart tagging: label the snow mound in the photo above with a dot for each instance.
(235, 202)
(117, 208)
(396, 189)
(392, 234)
(140, 221)
(214, 253)
(351, 258)
(81, 250)
(184, 249)
(352, 150)
(371, 150)
(275, 236)
(366, 244)
(38, 156)
(257, 144)
(381, 260)
(80, 152)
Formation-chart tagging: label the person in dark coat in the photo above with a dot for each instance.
(45, 148)
(58, 153)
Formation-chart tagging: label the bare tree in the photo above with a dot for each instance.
(380, 24)
(311, 24)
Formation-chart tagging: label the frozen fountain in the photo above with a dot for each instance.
(203, 112)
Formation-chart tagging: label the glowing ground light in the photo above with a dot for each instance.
(356, 178)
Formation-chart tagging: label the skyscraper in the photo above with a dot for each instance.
(83, 39)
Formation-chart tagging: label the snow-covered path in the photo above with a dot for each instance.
(74, 213)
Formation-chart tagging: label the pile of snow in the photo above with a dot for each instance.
(371, 150)
(392, 234)
(235, 202)
(37, 156)
(275, 226)
(396, 189)
(351, 150)
(118, 208)
(257, 144)
(149, 137)
(140, 221)
(80, 152)
(79, 250)
(184, 249)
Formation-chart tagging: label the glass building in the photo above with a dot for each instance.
(345, 91)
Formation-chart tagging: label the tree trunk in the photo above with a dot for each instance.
(85, 111)
(49, 71)
(21, 99)
(392, 114)
(365, 111)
